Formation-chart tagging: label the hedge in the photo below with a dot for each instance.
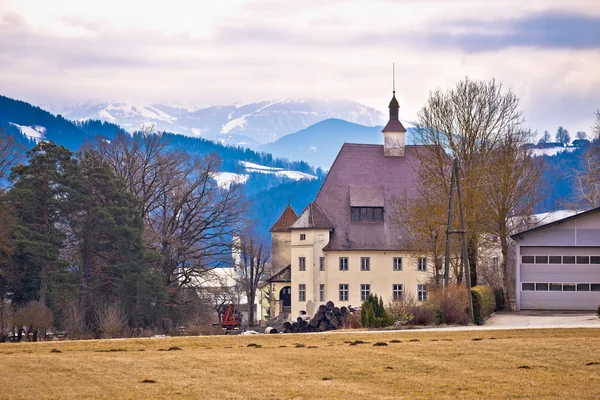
(484, 303)
(499, 293)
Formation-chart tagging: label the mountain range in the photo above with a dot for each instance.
(283, 168)
(248, 125)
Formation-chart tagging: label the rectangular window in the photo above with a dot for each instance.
(366, 213)
(583, 259)
(397, 291)
(397, 263)
(541, 287)
(568, 259)
(365, 291)
(321, 263)
(343, 263)
(595, 287)
(421, 292)
(365, 263)
(583, 287)
(422, 264)
(555, 259)
(344, 292)
(495, 262)
(527, 287)
(301, 263)
(595, 260)
(541, 259)
(322, 292)
(556, 287)
(527, 259)
(302, 292)
(302, 236)
(568, 287)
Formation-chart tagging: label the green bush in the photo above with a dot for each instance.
(499, 295)
(484, 303)
(373, 313)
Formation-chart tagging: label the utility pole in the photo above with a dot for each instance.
(455, 181)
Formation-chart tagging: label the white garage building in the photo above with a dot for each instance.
(558, 264)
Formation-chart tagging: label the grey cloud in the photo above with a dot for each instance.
(105, 48)
(551, 30)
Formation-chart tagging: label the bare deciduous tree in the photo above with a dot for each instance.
(189, 219)
(10, 154)
(425, 216)
(596, 127)
(512, 187)
(254, 262)
(469, 122)
(587, 179)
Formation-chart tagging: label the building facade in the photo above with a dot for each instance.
(346, 244)
(558, 264)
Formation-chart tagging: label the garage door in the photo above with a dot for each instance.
(560, 278)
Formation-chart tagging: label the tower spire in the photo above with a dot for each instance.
(394, 79)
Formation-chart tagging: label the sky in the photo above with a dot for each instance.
(220, 52)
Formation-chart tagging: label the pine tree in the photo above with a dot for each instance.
(38, 198)
(105, 230)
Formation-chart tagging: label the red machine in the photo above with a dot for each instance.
(232, 319)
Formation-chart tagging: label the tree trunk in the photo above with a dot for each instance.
(44, 283)
(472, 257)
(505, 280)
(84, 290)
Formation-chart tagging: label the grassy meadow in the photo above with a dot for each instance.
(409, 364)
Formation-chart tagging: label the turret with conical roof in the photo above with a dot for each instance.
(281, 238)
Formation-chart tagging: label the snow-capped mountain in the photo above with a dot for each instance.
(248, 125)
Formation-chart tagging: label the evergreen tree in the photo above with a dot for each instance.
(38, 198)
(105, 231)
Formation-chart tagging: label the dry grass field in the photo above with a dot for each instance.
(478, 364)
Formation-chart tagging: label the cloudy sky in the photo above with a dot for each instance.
(216, 52)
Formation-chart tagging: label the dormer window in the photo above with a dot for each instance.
(367, 213)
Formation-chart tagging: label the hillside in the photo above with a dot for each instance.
(260, 172)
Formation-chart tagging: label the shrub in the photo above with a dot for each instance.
(499, 295)
(410, 312)
(34, 317)
(373, 313)
(399, 313)
(354, 321)
(111, 320)
(450, 305)
(484, 303)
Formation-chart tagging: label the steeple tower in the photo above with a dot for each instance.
(393, 133)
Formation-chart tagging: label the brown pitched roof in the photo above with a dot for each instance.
(394, 126)
(288, 217)
(312, 218)
(359, 174)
